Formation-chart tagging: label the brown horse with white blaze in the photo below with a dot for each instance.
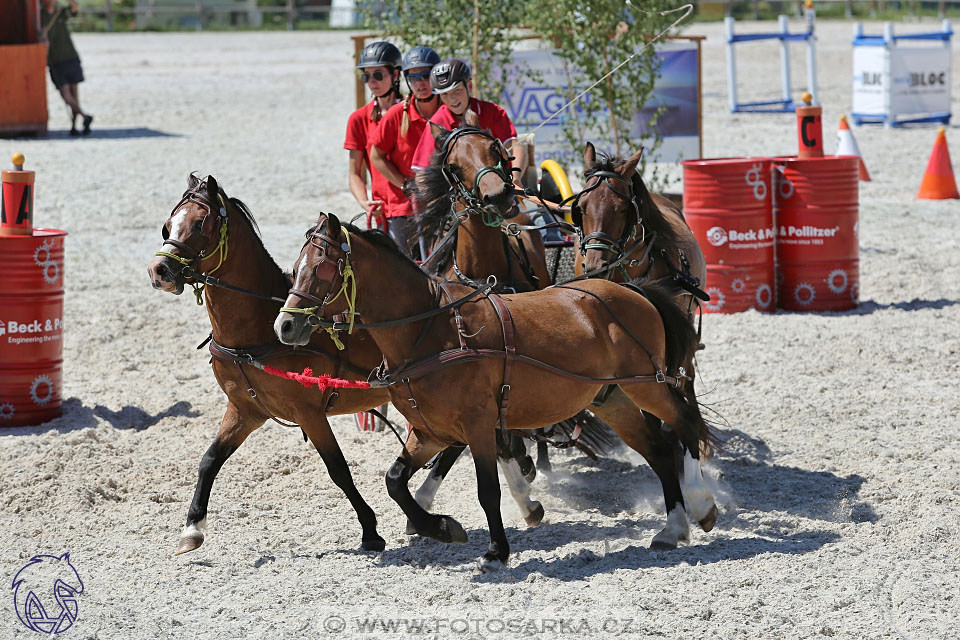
(459, 370)
(210, 233)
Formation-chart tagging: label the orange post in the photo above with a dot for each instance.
(16, 209)
(809, 129)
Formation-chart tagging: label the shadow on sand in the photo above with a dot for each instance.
(118, 133)
(78, 416)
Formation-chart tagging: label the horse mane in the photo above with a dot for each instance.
(377, 237)
(430, 195)
(653, 218)
(246, 214)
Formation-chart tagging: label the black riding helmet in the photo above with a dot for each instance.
(449, 74)
(420, 57)
(380, 54)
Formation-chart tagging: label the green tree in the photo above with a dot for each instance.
(453, 28)
(592, 37)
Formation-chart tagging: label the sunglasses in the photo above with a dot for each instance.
(423, 75)
(376, 75)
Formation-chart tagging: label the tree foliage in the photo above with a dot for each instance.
(448, 27)
(591, 36)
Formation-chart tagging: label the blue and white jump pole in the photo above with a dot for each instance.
(786, 103)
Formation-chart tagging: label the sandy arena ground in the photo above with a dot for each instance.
(841, 495)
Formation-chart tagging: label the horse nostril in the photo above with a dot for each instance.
(286, 328)
(161, 271)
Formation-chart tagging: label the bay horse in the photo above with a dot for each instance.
(467, 188)
(211, 233)
(459, 370)
(620, 218)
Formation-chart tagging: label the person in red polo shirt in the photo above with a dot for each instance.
(397, 138)
(379, 64)
(452, 80)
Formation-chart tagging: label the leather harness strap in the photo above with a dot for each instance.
(509, 353)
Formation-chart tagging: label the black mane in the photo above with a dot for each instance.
(240, 206)
(377, 237)
(653, 218)
(430, 195)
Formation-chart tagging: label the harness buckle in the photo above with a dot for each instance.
(660, 377)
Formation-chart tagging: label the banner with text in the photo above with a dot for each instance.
(529, 103)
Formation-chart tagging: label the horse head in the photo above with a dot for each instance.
(607, 209)
(195, 232)
(476, 165)
(321, 273)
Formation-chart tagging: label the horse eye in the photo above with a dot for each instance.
(198, 225)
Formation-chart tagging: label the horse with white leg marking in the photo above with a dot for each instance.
(465, 205)
(210, 233)
(455, 383)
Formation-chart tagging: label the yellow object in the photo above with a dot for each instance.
(806, 97)
(17, 158)
(809, 4)
(560, 178)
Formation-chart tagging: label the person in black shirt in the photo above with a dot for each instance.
(63, 60)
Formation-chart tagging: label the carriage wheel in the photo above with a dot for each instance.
(380, 425)
(364, 421)
(368, 422)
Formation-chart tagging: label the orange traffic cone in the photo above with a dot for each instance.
(847, 146)
(938, 181)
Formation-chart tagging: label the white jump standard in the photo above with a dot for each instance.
(786, 103)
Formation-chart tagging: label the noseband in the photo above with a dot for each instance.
(191, 262)
(598, 239)
(472, 199)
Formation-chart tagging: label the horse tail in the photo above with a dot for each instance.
(682, 342)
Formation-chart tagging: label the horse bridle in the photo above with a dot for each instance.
(189, 264)
(328, 268)
(598, 239)
(472, 198)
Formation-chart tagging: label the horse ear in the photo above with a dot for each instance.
(333, 226)
(213, 189)
(589, 157)
(192, 181)
(436, 130)
(470, 118)
(630, 166)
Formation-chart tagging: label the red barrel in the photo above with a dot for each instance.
(31, 327)
(817, 213)
(726, 202)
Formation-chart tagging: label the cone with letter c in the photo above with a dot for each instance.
(847, 146)
(938, 181)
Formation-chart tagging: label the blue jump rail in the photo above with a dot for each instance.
(880, 41)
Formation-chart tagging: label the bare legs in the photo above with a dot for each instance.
(71, 95)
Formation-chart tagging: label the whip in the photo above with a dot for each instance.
(687, 9)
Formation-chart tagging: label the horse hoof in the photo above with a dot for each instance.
(544, 466)
(535, 517)
(662, 545)
(489, 565)
(451, 531)
(189, 543)
(707, 522)
(410, 530)
(376, 544)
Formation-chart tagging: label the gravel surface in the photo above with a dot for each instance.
(840, 497)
